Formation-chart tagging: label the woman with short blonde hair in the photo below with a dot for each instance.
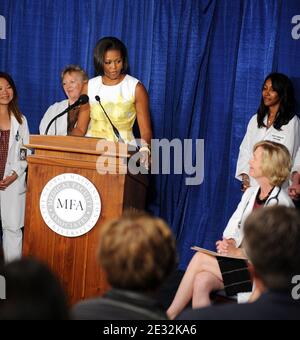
(276, 162)
(73, 79)
(270, 166)
(74, 68)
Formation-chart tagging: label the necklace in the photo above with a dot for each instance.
(271, 120)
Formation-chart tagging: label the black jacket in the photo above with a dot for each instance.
(119, 305)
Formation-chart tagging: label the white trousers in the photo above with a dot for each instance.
(12, 244)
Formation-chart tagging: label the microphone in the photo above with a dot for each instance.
(83, 99)
(116, 131)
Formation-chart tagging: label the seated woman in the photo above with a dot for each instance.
(73, 78)
(270, 166)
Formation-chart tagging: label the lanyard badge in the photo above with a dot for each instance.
(23, 154)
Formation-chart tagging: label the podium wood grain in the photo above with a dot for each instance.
(74, 259)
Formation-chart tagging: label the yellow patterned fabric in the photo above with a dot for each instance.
(119, 103)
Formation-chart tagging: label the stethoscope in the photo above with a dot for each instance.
(274, 198)
(266, 204)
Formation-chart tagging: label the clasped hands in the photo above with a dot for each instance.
(7, 181)
(227, 247)
(294, 189)
(245, 182)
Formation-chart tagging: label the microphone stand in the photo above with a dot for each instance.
(83, 99)
(54, 119)
(116, 131)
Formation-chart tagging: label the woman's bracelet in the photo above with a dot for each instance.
(146, 149)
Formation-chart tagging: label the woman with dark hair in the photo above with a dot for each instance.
(114, 92)
(14, 134)
(275, 121)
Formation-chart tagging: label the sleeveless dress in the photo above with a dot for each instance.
(4, 143)
(119, 104)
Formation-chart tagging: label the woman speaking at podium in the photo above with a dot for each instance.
(115, 99)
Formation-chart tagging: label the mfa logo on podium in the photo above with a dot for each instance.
(2, 27)
(70, 205)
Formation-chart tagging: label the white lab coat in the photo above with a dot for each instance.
(61, 124)
(296, 166)
(235, 226)
(12, 200)
(289, 136)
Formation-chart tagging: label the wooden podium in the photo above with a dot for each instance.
(74, 259)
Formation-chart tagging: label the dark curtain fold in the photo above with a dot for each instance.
(202, 61)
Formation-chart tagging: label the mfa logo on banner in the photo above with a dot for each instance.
(296, 29)
(2, 27)
(70, 205)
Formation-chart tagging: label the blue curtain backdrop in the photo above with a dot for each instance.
(202, 61)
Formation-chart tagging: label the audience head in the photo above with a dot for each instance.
(32, 293)
(272, 242)
(109, 44)
(137, 252)
(8, 87)
(271, 160)
(281, 91)
(73, 78)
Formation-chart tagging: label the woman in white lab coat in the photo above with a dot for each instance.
(14, 135)
(275, 121)
(73, 78)
(270, 166)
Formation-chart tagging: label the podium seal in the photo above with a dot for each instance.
(70, 205)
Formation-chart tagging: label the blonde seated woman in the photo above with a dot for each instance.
(270, 166)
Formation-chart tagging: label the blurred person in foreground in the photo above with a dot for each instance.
(272, 243)
(32, 292)
(137, 252)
